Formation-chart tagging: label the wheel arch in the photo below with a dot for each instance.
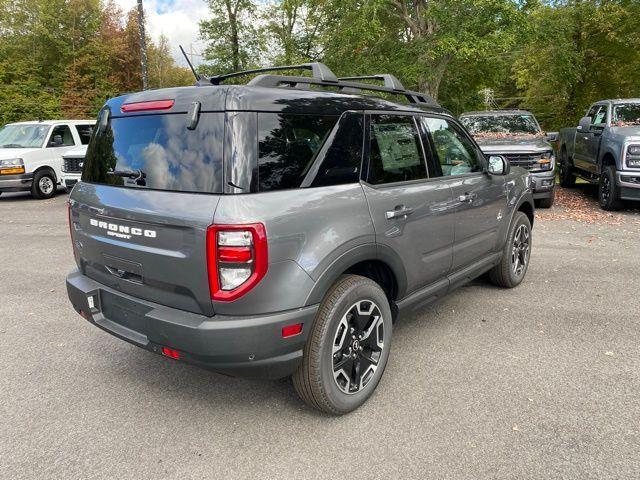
(526, 206)
(377, 262)
(47, 168)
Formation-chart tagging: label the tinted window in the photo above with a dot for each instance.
(170, 156)
(343, 157)
(65, 134)
(84, 131)
(287, 147)
(456, 153)
(395, 150)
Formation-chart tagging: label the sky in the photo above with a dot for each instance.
(177, 20)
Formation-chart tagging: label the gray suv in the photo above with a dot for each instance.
(281, 227)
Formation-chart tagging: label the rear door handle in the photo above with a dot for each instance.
(468, 197)
(399, 212)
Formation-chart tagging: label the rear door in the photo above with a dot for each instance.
(149, 191)
(412, 213)
(480, 199)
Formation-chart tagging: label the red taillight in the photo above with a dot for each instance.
(236, 259)
(171, 353)
(146, 106)
(291, 330)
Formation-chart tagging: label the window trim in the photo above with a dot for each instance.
(367, 149)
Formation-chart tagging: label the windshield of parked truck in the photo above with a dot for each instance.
(23, 136)
(626, 114)
(501, 125)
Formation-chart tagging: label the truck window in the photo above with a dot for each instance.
(600, 116)
(84, 132)
(65, 132)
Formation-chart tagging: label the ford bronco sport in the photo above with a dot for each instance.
(281, 227)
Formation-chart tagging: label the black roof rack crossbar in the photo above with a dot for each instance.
(272, 81)
(318, 70)
(390, 81)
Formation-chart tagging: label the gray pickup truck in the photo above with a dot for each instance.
(517, 136)
(604, 149)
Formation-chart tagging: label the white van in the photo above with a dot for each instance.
(31, 154)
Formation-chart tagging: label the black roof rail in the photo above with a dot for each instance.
(272, 81)
(318, 70)
(389, 80)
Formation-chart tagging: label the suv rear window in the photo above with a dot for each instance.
(287, 146)
(160, 147)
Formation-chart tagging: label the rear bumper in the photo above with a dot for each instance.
(16, 183)
(238, 346)
(543, 184)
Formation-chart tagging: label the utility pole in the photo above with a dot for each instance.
(143, 45)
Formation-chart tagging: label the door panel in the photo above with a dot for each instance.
(412, 215)
(479, 198)
(423, 238)
(481, 203)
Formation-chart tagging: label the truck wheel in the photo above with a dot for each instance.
(44, 185)
(608, 194)
(567, 178)
(348, 347)
(513, 267)
(546, 202)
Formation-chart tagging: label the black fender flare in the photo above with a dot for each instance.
(361, 253)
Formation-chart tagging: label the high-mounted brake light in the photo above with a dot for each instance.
(147, 106)
(236, 259)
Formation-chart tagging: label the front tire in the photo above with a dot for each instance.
(513, 266)
(44, 185)
(348, 347)
(608, 192)
(567, 178)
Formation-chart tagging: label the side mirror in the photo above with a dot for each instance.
(498, 165)
(57, 141)
(552, 136)
(584, 124)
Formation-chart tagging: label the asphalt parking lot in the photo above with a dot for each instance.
(542, 381)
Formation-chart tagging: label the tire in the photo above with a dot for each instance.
(546, 202)
(608, 191)
(44, 185)
(327, 379)
(567, 178)
(508, 274)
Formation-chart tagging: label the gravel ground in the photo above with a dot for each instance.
(538, 382)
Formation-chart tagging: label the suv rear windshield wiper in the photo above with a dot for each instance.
(134, 174)
(11, 145)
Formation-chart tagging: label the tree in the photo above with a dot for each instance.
(233, 39)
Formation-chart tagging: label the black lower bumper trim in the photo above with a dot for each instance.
(237, 346)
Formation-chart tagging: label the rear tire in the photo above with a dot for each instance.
(608, 191)
(354, 319)
(44, 185)
(513, 266)
(567, 178)
(546, 202)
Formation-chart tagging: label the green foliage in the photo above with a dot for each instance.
(64, 58)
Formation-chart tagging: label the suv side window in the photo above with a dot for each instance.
(65, 132)
(456, 153)
(287, 146)
(84, 132)
(343, 158)
(395, 150)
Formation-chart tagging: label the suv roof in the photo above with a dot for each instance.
(322, 93)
